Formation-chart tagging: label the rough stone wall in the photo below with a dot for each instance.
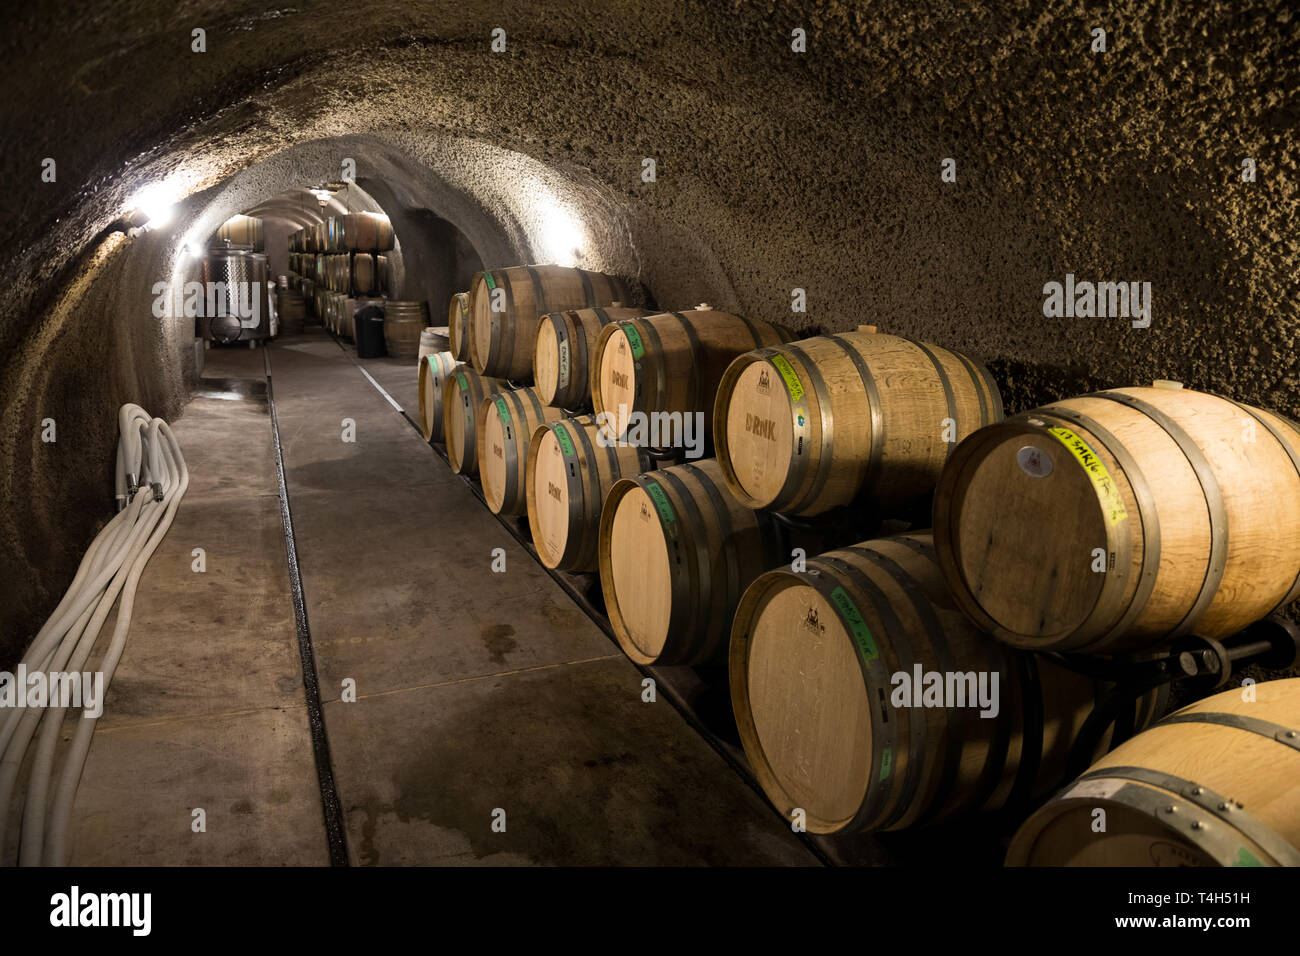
(776, 170)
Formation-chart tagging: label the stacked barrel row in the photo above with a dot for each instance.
(343, 255)
(1047, 537)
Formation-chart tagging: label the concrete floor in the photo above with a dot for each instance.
(475, 691)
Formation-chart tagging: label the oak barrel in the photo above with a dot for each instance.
(363, 277)
(432, 340)
(364, 232)
(562, 358)
(434, 370)
(676, 552)
(1123, 519)
(504, 307)
(292, 310)
(403, 322)
(462, 399)
(458, 326)
(827, 421)
(672, 362)
(859, 691)
(571, 467)
(244, 231)
(507, 422)
(1214, 784)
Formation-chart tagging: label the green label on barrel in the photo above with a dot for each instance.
(503, 411)
(661, 502)
(861, 633)
(464, 385)
(886, 762)
(487, 277)
(566, 443)
(788, 374)
(634, 340)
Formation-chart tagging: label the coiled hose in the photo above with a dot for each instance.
(150, 480)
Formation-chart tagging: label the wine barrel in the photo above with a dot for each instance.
(434, 370)
(292, 309)
(507, 421)
(462, 399)
(244, 231)
(504, 307)
(570, 470)
(565, 343)
(432, 340)
(363, 274)
(1212, 784)
(458, 326)
(827, 421)
(383, 276)
(836, 720)
(1123, 519)
(676, 552)
(365, 232)
(403, 322)
(671, 362)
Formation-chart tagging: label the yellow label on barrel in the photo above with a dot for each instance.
(788, 375)
(1096, 469)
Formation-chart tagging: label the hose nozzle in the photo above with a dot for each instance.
(157, 490)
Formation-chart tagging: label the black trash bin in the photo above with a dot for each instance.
(369, 332)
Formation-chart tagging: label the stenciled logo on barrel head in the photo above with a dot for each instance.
(764, 381)
(762, 427)
(645, 512)
(622, 344)
(496, 450)
(553, 490)
(810, 622)
(618, 379)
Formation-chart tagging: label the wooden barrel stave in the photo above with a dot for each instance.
(507, 421)
(462, 398)
(403, 323)
(434, 370)
(813, 661)
(671, 362)
(1192, 504)
(566, 343)
(829, 421)
(458, 326)
(675, 553)
(569, 475)
(502, 342)
(1227, 767)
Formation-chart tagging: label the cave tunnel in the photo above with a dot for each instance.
(344, 655)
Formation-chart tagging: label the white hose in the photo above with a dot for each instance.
(150, 479)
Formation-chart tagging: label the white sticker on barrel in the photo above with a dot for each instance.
(1093, 789)
(1034, 462)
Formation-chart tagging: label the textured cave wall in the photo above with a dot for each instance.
(776, 170)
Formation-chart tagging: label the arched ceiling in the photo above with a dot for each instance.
(775, 170)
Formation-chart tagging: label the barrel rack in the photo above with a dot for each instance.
(700, 694)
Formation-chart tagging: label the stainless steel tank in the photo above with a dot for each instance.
(237, 305)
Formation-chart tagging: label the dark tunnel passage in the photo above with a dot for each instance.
(917, 168)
